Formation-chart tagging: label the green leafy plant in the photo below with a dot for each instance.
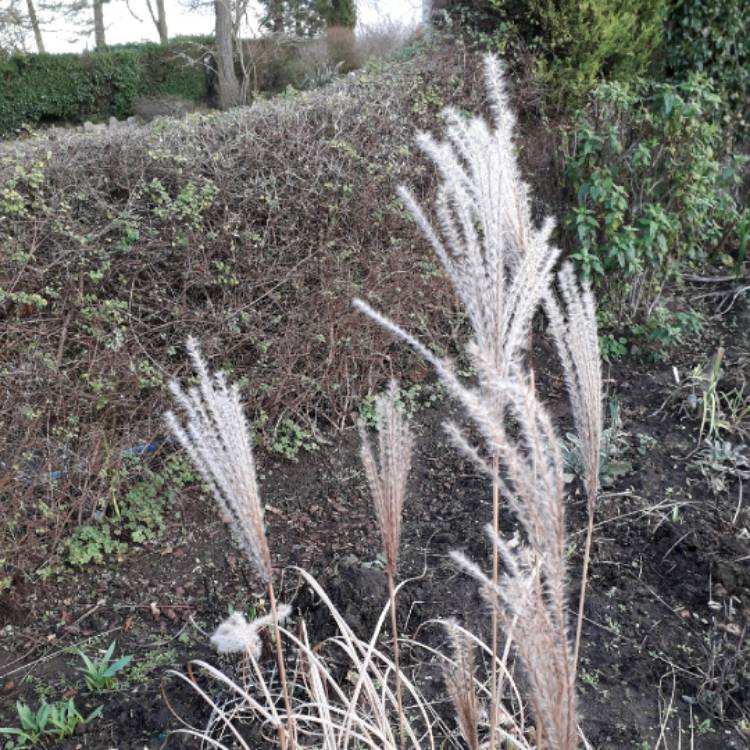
(614, 445)
(612, 347)
(290, 438)
(152, 661)
(713, 36)
(653, 196)
(574, 44)
(100, 674)
(51, 720)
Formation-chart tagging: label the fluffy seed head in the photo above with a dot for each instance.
(387, 474)
(237, 635)
(217, 439)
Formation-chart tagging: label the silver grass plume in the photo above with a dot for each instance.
(501, 265)
(498, 261)
(459, 681)
(387, 475)
(530, 596)
(217, 439)
(575, 333)
(574, 330)
(388, 472)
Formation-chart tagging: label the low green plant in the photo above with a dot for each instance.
(720, 462)
(149, 663)
(136, 511)
(51, 720)
(646, 443)
(664, 328)
(92, 543)
(290, 438)
(614, 445)
(100, 674)
(410, 400)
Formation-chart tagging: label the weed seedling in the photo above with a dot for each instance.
(100, 675)
(57, 720)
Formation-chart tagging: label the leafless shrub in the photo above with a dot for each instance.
(340, 46)
(382, 40)
(150, 107)
(231, 227)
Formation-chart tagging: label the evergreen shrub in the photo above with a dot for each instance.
(41, 89)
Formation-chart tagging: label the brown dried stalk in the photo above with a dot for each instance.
(459, 681)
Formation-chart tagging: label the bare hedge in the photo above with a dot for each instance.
(251, 230)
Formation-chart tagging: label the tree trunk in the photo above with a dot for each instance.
(99, 40)
(228, 83)
(160, 19)
(276, 16)
(34, 21)
(162, 27)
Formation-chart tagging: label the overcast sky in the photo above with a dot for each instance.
(123, 26)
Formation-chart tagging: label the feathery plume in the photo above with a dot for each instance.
(387, 474)
(237, 635)
(387, 477)
(530, 595)
(573, 327)
(576, 337)
(217, 439)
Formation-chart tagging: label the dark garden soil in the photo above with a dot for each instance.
(665, 657)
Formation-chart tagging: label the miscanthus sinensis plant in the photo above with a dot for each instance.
(501, 265)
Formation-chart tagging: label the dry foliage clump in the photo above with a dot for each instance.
(251, 230)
